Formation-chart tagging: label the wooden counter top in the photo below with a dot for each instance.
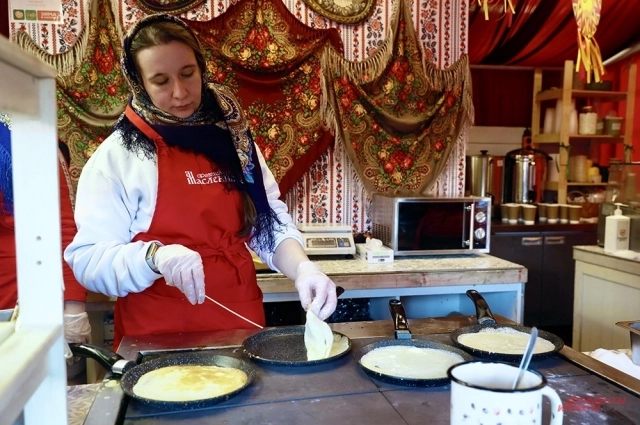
(595, 254)
(408, 272)
(404, 272)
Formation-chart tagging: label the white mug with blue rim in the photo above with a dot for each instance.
(481, 393)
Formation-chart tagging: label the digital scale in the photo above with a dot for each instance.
(327, 239)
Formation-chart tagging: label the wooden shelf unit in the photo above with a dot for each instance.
(564, 138)
(33, 383)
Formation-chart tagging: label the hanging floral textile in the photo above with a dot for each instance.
(398, 117)
(272, 63)
(91, 92)
(587, 13)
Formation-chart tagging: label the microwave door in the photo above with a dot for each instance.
(434, 227)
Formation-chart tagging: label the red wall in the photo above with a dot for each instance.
(619, 74)
(503, 96)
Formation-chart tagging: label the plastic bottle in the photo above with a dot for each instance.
(616, 232)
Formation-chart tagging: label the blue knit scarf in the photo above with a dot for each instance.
(6, 179)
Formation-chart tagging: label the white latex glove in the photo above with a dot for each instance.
(77, 330)
(317, 292)
(182, 268)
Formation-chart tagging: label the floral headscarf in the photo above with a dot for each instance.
(219, 119)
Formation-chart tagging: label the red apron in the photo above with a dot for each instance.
(193, 210)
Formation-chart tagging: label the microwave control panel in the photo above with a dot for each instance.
(480, 220)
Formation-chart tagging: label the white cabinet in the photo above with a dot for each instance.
(33, 379)
(607, 290)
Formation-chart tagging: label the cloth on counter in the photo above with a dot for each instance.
(618, 360)
(627, 254)
(271, 61)
(397, 115)
(91, 92)
(79, 401)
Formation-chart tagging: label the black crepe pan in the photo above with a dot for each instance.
(487, 321)
(284, 346)
(131, 373)
(403, 338)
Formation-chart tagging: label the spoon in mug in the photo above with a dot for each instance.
(526, 358)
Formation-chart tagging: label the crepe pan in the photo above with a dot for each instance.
(284, 346)
(487, 321)
(130, 372)
(403, 338)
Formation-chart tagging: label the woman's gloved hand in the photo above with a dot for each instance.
(182, 268)
(316, 290)
(77, 330)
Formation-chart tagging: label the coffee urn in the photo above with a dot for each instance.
(483, 176)
(524, 175)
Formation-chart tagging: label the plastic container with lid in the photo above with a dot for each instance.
(616, 232)
(587, 121)
(612, 126)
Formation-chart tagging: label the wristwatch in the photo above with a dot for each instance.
(150, 256)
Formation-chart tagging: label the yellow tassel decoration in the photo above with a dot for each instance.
(587, 14)
(508, 6)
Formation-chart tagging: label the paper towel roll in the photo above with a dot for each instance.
(549, 123)
(552, 171)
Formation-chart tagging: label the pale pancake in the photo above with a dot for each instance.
(339, 346)
(404, 361)
(503, 341)
(189, 383)
(318, 338)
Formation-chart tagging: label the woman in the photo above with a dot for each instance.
(76, 322)
(166, 203)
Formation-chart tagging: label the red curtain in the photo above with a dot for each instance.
(544, 32)
(4, 18)
(504, 97)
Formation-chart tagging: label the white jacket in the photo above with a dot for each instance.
(115, 201)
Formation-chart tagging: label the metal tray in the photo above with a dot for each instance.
(634, 331)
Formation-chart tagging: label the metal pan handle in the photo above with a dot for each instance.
(483, 312)
(113, 362)
(399, 320)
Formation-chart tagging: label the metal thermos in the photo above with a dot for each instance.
(524, 177)
(524, 171)
(483, 175)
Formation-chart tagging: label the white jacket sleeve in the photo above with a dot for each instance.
(102, 256)
(288, 228)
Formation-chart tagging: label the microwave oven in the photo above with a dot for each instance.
(432, 226)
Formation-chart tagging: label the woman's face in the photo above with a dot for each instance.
(171, 76)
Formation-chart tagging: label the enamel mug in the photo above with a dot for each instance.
(481, 393)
